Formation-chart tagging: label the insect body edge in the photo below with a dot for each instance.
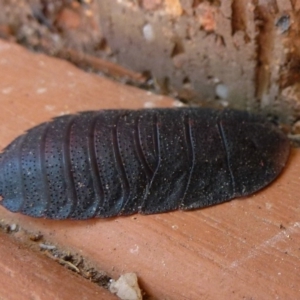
(119, 162)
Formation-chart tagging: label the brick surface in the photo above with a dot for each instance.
(244, 249)
(26, 274)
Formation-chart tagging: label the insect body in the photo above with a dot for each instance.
(119, 162)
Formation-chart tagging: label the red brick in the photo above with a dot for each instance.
(246, 248)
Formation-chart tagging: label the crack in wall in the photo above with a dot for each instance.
(264, 19)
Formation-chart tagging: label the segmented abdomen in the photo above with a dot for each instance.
(119, 162)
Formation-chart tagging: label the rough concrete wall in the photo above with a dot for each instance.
(190, 50)
(233, 52)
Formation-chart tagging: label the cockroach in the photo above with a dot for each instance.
(119, 162)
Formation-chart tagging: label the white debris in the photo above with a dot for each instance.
(222, 90)
(47, 247)
(126, 287)
(149, 104)
(177, 103)
(148, 32)
(41, 90)
(13, 227)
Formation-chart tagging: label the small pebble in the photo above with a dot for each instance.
(126, 287)
(283, 23)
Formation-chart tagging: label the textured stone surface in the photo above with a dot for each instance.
(243, 249)
(188, 47)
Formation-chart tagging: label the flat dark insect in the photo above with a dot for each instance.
(119, 162)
